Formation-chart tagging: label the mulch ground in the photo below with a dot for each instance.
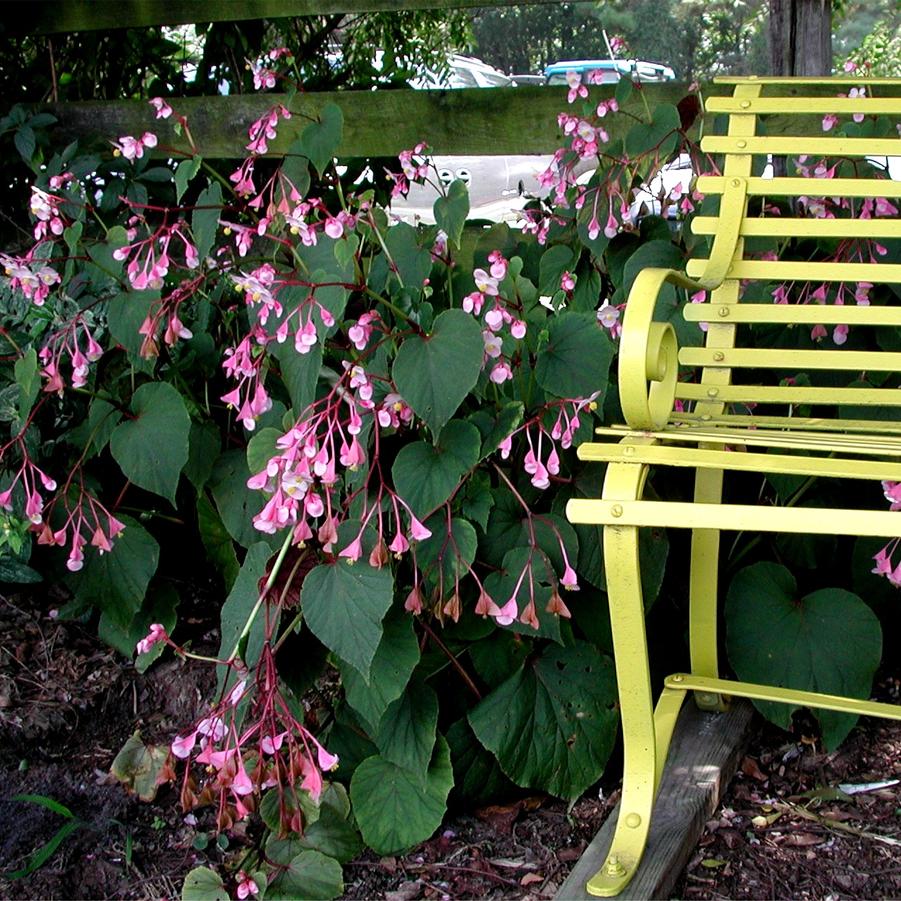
(795, 823)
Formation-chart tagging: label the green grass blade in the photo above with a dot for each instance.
(49, 803)
(43, 854)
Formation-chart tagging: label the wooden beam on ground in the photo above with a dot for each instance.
(55, 17)
(704, 755)
(469, 121)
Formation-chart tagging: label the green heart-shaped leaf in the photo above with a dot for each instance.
(426, 475)
(451, 211)
(344, 605)
(393, 807)
(829, 641)
(552, 724)
(435, 373)
(152, 447)
(575, 361)
(660, 137)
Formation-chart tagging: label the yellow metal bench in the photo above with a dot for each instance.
(725, 407)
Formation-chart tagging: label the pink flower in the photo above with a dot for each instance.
(246, 886)
(353, 551)
(413, 603)
(506, 614)
(183, 745)
(241, 784)
(156, 634)
(500, 373)
(829, 121)
(163, 110)
(569, 580)
(399, 545)
(417, 530)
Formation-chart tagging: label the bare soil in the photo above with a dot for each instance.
(68, 703)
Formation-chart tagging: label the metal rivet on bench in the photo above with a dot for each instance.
(629, 451)
(745, 104)
(723, 311)
(712, 392)
(614, 867)
(736, 182)
(633, 820)
(676, 678)
(741, 144)
(616, 510)
(706, 417)
(719, 356)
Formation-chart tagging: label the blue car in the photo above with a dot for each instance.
(612, 70)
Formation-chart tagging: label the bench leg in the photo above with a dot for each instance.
(636, 710)
(705, 555)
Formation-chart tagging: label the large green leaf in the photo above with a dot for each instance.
(657, 254)
(406, 735)
(159, 607)
(204, 446)
(319, 140)
(238, 605)
(237, 504)
(451, 211)
(300, 373)
(152, 448)
(395, 659)
(829, 642)
(575, 361)
(117, 581)
(554, 262)
(552, 724)
(425, 476)
(412, 262)
(217, 543)
(447, 554)
(659, 137)
(139, 767)
(310, 875)
(433, 374)
(205, 219)
(393, 807)
(477, 777)
(333, 834)
(125, 314)
(344, 605)
(202, 884)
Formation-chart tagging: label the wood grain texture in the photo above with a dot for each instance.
(704, 754)
(43, 17)
(469, 121)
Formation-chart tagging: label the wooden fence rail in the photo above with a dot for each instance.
(42, 17)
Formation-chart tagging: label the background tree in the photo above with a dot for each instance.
(801, 37)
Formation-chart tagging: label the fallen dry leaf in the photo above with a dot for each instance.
(529, 878)
(750, 767)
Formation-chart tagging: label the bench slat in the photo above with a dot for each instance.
(861, 437)
(791, 394)
(808, 227)
(795, 360)
(735, 517)
(791, 146)
(814, 699)
(890, 106)
(741, 461)
(829, 428)
(796, 81)
(791, 270)
(809, 187)
(793, 314)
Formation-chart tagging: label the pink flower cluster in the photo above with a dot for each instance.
(497, 316)
(151, 257)
(85, 521)
(245, 363)
(133, 148)
(45, 208)
(29, 475)
(67, 341)
(265, 129)
(32, 277)
(232, 765)
(164, 317)
(541, 468)
(414, 167)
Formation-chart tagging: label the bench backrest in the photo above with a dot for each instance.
(803, 330)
